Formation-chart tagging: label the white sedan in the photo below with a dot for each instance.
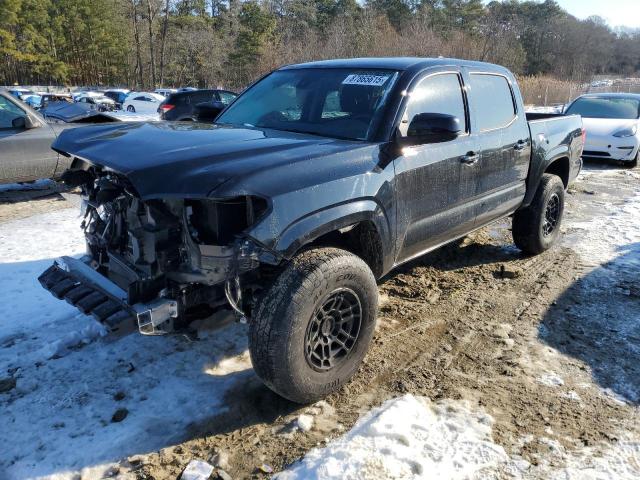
(142, 102)
(612, 123)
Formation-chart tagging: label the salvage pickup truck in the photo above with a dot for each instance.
(317, 181)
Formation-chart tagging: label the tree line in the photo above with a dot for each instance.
(205, 43)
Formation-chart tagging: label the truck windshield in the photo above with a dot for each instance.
(603, 107)
(331, 102)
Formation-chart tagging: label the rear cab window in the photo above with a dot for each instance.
(493, 101)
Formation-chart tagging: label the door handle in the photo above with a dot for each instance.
(521, 145)
(470, 158)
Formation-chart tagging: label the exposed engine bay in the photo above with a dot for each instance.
(176, 260)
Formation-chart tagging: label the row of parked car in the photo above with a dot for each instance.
(169, 104)
(28, 127)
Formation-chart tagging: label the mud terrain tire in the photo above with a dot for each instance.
(537, 227)
(313, 326)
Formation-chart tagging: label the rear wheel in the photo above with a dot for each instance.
(131, 108)
(537, 227)
(313, 327)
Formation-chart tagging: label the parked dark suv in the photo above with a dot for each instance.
(181, 106)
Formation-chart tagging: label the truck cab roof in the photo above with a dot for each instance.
(395, 63)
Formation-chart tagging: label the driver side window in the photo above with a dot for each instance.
(439, 93)
(8, 113)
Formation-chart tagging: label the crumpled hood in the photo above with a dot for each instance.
(605, 126)
(189, 160)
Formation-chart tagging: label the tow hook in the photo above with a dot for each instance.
(152, 317)
(233, 292)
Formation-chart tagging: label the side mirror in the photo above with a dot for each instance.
(208, 111)
(23, 122)
(432, 128)
(19, 123)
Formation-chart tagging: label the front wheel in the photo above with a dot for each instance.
(537, 227)
(313, 327)
(131, 108)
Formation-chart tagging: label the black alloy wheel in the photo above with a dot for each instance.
(333, 330)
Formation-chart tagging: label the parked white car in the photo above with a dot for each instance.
(142, 102)
(612, 122)
(165, 92)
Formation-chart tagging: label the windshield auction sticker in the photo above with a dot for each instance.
(368, 80)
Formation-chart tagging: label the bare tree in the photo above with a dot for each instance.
(151, 15)
(163, 39)
(139, 68)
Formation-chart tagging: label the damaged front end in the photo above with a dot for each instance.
(162, 262)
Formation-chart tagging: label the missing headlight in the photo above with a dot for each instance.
(217, 222)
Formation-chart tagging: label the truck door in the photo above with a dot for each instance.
(504, 143)
(435, 183)
(25, 153)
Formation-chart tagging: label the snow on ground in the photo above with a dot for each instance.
(603, 313)
(544, 109)
(612, 230)
(134, 116)
(70, 380)
(43, 184)
(413, 438)
(407, 437)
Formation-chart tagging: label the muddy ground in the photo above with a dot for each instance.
(475, 320)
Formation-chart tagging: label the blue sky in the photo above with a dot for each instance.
(616, 12)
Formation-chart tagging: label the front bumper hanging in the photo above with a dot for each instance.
(76, 282)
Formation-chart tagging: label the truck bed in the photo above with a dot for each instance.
(549, 142)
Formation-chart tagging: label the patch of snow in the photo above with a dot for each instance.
(572, 395)
(70, 379)
(197, 470)
(321, 407)
(550, 379)
(615, 462)
(125, 116)
(42, 184)
(604, 325)
(413, 438)
(304, 423)
(407, 437)
(544, 109)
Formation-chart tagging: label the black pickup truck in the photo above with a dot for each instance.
(319, 179)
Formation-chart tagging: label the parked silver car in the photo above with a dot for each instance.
(26, 135)
(25, 143)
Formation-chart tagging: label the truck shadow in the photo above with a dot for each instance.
(597, 321)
